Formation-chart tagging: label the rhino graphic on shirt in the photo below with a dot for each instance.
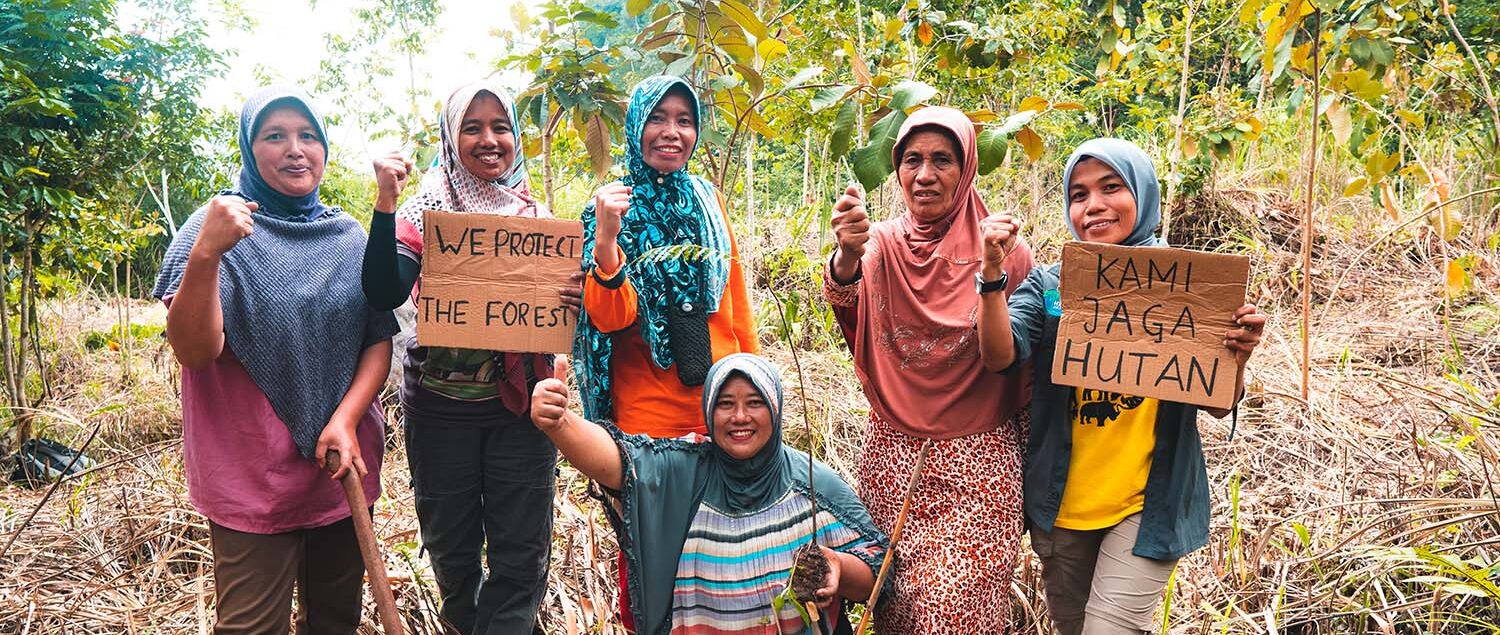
(1097, 406)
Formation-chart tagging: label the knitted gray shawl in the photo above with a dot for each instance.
(294, 313)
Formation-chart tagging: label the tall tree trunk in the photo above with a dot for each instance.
(7, 352)
(807, 197)
(548, 128)
(24, 337)
(1174, 177)
(1307, 212)
(750, 181)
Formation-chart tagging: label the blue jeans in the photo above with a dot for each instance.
(485, 487)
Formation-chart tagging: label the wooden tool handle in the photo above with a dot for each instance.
(885, 565)
(364, 530)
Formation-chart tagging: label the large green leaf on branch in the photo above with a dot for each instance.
(872, 162)
(910, 93)
(828, 97)
(992, 144)
(842, 135)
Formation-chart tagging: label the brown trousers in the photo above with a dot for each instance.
(254, 575)
(1095, 585)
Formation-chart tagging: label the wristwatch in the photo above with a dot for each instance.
(983, 286)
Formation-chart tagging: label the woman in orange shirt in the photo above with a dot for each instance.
(665, 295)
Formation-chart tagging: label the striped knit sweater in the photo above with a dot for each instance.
(732, 566)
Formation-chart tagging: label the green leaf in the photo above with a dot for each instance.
(635, 7)
(1015, 122)
(872, 162)
(743, 16)
(802, 77)
(992, 146)
(826, 98)
(843, 129)
(910, 93)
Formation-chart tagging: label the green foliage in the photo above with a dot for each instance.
(93, 117)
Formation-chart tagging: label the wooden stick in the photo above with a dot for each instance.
(369, 550)
(885, 565)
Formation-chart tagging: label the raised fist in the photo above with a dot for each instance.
(226, 222)
(1001, 232)
(391, 173)
(611, 203)
(851, 225)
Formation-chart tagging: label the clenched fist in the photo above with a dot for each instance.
(549, 403)
(391, 173)
(851, 227)
(226, 222)
(1001, 232)
(611, 203)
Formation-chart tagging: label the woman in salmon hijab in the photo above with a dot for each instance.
(906, 294)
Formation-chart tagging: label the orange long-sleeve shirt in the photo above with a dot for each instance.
(649, 400)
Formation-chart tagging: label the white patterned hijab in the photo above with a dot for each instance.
(449, 186)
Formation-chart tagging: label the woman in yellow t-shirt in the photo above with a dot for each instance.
(1115, 486)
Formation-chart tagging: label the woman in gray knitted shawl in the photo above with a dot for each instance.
(282, 360)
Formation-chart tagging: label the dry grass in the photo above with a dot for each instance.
(1333, 515)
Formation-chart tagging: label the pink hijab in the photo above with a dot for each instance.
(916, 346)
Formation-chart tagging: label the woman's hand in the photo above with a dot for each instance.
(340, 435)
(572, 295)
(611, 203)
(549, 403)
(1243, 339)
(226, 222)
(851, 226)
(1001, 231)
(391, 173)
(828, 596)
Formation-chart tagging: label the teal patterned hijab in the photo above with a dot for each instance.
(666, 210)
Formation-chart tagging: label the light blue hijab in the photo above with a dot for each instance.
(1134, 166)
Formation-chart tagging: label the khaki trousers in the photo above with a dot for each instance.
(254, 575)
(1095, 586)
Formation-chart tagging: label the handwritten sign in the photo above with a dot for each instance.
(1149, 322)
(491, 282)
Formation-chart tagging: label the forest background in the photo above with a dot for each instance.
(1351, 148)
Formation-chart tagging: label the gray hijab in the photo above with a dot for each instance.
(1134, 166)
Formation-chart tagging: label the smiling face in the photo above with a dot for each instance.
(1100, 205)
(288, 152)
(929, 170)
(669, 133)
(742, 419)
(486, 143)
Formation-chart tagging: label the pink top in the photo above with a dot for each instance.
(243, 470)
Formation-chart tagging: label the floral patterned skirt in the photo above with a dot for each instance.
(962, 536)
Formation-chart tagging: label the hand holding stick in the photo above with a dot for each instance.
(369, 550)
(885, 566)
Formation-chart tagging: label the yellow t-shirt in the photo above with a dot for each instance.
(1113, 437)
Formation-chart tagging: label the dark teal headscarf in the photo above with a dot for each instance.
(1135, 168)
(666, 210)
(666, 479)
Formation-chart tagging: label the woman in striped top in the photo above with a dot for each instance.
(710, 528)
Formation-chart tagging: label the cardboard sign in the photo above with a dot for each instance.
(490, 282)
(1149, 322)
